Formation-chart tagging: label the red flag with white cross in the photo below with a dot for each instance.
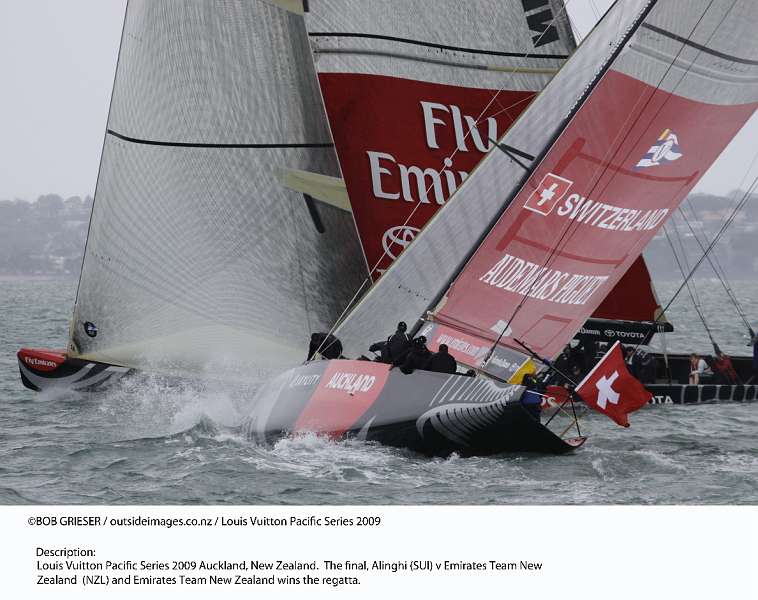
(609, 388)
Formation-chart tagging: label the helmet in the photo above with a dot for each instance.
(420, 341)
(401, 326)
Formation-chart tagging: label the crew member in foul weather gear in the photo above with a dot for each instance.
(531, 399)
(324, 344)
(754, 343)
(442, 362)
(394, 350)
(723, 370)
(417, 357)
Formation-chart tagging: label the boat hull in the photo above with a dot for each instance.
(51, 369)
(431, 413)
(702, 394)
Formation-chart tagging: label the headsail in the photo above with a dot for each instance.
(196, 251)
(416, 92)
(622, 134)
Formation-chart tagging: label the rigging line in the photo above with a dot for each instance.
(718, 269)
(684, 275)
(454, 153)
(694, 294)
(571, 228)
(715, 240)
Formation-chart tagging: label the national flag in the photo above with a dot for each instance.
(609, 388)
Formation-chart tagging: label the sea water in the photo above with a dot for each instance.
(150, 444)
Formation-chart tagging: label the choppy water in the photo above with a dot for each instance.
(158, 446)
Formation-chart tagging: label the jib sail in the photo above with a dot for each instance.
(621, 135)
(417, 91)
(196, 251)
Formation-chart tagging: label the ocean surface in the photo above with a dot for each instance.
(155, 445)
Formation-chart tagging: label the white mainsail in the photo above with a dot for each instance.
(196, 253)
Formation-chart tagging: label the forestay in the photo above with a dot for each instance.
(415, 92)
(195, 251)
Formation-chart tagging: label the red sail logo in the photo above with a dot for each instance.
(405, 146)
(549, 192)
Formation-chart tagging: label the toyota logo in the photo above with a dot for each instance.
(395, 239)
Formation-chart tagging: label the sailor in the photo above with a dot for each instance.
(324, 344)
(754, 343)
(723, 370)
(393, 350)
(698, 369)
(442, 362)
(531, 399)
(417, 357)
(645, 366)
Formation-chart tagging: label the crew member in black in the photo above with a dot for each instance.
(417, 357)
(442, 362)
(393, 351)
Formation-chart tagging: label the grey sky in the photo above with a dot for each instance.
(57, 60)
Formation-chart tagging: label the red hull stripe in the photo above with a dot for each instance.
(346, 391)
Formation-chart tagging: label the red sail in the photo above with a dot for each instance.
(393, 137)
(415, 93)
(620, 168)
(632, 298)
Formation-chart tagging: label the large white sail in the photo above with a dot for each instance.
(416, 90)
(196, 251)
(631, 123)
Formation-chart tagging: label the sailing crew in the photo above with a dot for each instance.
(698, 369)
(325, 345)
(442, 362)
(393, 350)
(723, 370)
(531, 399)
(417, 357)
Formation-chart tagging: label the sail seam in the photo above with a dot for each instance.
(134, 140)
(390, 38)
(697, 46)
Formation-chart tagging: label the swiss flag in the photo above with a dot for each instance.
(547, 194)
(610, 389)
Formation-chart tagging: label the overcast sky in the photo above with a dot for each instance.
(57, 60)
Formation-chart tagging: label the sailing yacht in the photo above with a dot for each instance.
(223, 228)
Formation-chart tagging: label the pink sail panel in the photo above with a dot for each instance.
(622, 166)
(393, 137)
